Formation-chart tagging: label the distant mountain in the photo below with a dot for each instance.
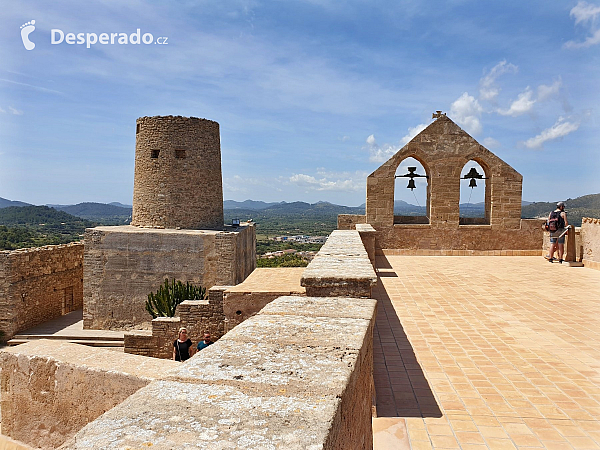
(36, 215)
(248, 204)
(31, 226)
(4, 203)
(577, 208)
(120, 204)
(96, 211)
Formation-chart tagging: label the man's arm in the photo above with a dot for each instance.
(564, 216)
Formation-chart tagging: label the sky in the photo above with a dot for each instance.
(311, 95)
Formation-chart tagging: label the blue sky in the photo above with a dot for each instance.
(311, 96)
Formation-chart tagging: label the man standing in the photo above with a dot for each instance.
(557, 221)
(205, 342)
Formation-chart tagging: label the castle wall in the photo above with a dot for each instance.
(122, 265)
(177, 180)
(51, 389)
(39, 284)
(296, 375)
(476, 238)
(590, 242)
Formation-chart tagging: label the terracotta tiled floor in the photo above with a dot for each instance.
(488, 352)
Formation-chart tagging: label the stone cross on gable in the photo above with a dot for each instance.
(437, 115)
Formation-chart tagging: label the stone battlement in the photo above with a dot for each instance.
(39, 284)
(341, 268)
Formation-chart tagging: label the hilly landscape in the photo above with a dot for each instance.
(25, 225)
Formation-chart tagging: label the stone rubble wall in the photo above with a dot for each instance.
(122, 265)
(39, 284)
(49, 389)
(340, 268)
(197, 316)
(590, 242)
(295, 376)
(182, 186)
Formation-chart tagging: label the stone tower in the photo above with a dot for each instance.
(177, 180)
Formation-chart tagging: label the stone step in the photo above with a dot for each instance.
(90, 342)
(69, 337)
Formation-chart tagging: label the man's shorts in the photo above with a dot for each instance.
(554, 236)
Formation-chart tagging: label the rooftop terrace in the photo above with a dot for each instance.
(486, 352)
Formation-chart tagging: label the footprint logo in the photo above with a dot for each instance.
(26, 30)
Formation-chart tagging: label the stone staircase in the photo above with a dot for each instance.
(69, 328)
(108, 342)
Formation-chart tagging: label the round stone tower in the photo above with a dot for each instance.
(177, 181)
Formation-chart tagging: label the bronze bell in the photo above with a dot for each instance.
(411, 184)
(473, 174)
(472, 183)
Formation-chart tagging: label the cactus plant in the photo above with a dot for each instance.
(169, 295)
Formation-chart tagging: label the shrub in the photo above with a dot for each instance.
(169, 295)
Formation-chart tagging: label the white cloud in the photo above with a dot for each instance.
(490, 143)
(547, 92)
(523, 104)
(330, 181)
(1, 110)
(487, 85)
(380, 153)
(466, 111)
(585, 13)
(412, 132)
(525, 100)
(589, 41)
(15, 111)
(561, 128)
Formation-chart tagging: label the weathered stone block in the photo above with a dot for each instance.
(52, 389)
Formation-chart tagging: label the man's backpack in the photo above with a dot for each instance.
(555, 221)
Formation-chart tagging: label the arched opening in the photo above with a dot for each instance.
(411, 193)
(474, 195)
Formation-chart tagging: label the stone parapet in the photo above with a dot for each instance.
(421, 252)
(262, 287)
(368, 235)
(341, 268)
(298, 375)
(39, 284)
(590, 242)
(51, 389)
(349, 221)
